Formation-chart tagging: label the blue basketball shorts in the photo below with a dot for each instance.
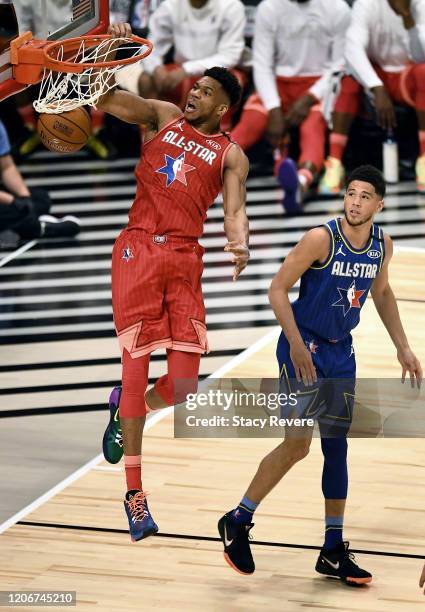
(330, 401)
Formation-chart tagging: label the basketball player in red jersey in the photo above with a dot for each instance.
(157, 261)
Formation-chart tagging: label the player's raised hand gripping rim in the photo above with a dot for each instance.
(120, 30)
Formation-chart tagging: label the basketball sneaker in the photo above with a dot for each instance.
(235, 537)
(98, 147)
(30, 144)
(420, 174)
(140, 521)
(52, 227)
(332, 181)
(339, 563)
(112, 438)
(287, 175)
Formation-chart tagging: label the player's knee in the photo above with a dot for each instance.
(155, 400)
(334, 449)
(170, 391)
(302, 451)
(296, 449)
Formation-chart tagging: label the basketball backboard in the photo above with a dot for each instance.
(48, 20)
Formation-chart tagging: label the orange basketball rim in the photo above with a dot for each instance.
(31, 57)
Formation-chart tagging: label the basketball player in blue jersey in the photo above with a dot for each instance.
(338, 263)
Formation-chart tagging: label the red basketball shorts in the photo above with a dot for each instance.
(156, 293)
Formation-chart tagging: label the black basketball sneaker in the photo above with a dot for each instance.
(235, 538)
(339, 563)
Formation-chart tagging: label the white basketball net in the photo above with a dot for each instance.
(64, 91)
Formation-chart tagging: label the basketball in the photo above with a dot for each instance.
(66, 132)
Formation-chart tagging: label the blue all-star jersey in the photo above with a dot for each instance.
(333, 293)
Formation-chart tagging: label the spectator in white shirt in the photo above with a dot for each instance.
(298, 45)
(202, 34)
(385, 51)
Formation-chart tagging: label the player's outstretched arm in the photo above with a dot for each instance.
(314, 246)
(131, 108)
(387, 308)
(236, 224)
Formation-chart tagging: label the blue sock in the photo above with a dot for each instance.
(333, 531)
(243, 513)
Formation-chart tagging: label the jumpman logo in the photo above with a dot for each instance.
(340, 251)
(179, 125)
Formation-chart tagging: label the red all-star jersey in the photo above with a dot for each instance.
(178, 178)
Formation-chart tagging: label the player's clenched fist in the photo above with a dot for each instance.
(240, 257)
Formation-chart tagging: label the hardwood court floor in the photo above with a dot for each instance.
(192, 482)
(59, 356)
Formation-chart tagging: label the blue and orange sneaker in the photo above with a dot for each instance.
(140, 521)
(235, 537)
(340, 563)
(287, 175)
(112, 438)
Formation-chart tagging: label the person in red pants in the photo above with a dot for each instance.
(298, 45)
(385, 51)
